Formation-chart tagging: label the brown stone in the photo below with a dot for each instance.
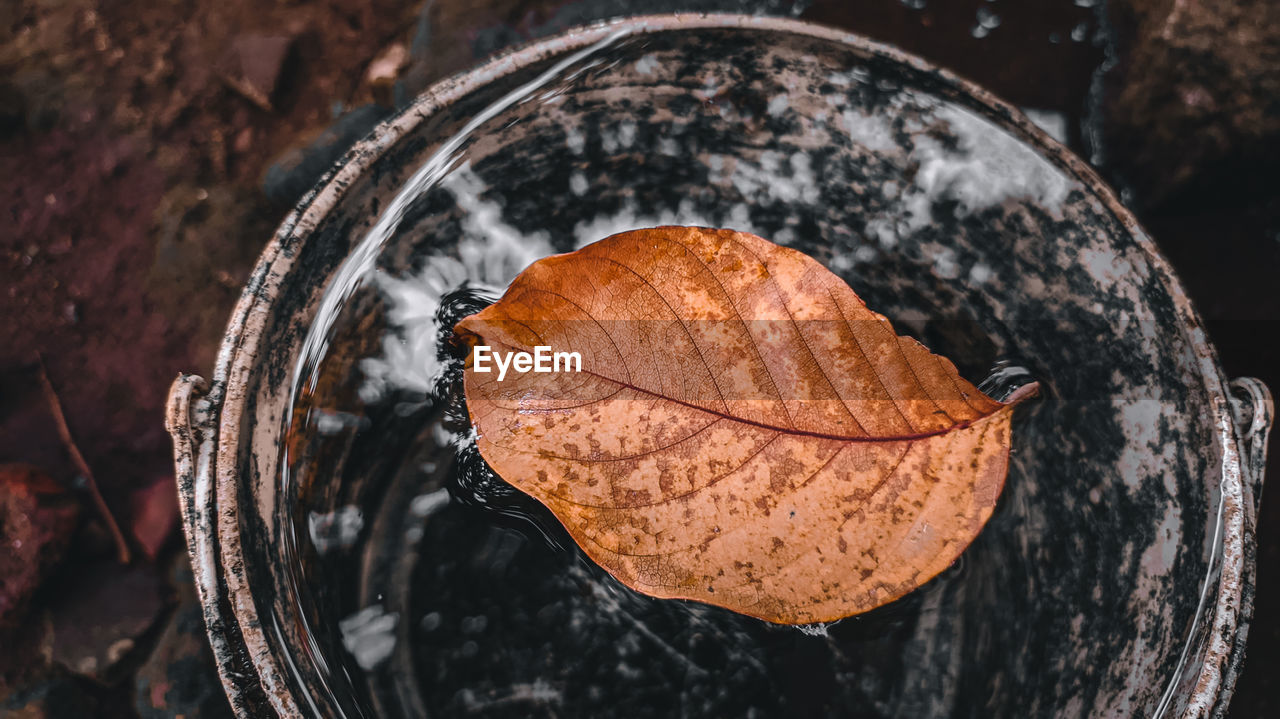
(253, 66)
(101, 612)
(1192, 104)
(36, 520)
(154, 515)
(179, 678)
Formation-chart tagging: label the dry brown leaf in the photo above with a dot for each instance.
(743, 432)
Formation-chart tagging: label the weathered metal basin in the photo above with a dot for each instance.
(1117, 576)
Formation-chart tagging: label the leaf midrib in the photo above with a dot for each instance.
(793, 431)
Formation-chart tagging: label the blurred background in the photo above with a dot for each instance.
(147, 151)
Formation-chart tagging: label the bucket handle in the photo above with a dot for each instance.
(187, 421)
(191, 421)
(1253, 412)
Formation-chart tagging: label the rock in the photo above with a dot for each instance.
(13, 115)
(253, 66)
(298, 169)
(1191, 106)
(60, 697)
(37, 517)
(180, 677)
(154, 516)
(101, 613)
(28, 651)
(383, 71)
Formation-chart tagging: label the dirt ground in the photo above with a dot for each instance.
(147, 150)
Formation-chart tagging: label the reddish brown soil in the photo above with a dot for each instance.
(130, 173)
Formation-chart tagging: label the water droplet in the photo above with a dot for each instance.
(430, 622)
(987, 21)
(1006, 378)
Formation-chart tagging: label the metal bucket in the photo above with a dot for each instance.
(1174, 600)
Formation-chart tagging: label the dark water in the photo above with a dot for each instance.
(425, 585)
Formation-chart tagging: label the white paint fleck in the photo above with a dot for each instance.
(1140, 419)
(330, 422)
(538, 693)
(575, 140)
(979, 274)
(647, 65)
(883, 231)
(369, 635)
(627, 133)
(849, 77)
(1052, 122)
(441, 435)
(1104, 266)
(989, 167)
(944, 263)
(766, 182)
(338, 529)
(427, 504)
(778, 105)
(1158, 559)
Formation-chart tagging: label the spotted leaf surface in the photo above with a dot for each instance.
(743, 431)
